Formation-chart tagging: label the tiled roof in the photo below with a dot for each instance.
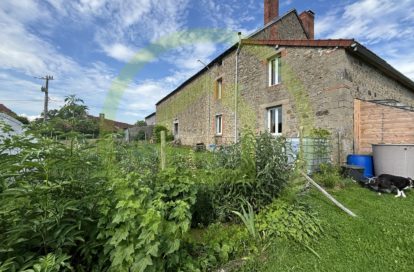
(303, 43)
(225, 53)
(351, 46)
(7, 111)
(112, 123)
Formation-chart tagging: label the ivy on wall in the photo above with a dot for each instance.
(196, 93)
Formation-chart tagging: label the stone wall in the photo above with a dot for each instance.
(311, 92)
(287, 28)
(131, 134)
(151, 120)
(195, 106)
(317, 91)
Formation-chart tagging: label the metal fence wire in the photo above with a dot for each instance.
(315, 151)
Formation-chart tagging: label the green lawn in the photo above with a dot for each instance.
(381, 238)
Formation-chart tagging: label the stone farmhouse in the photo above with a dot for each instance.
(282, 80)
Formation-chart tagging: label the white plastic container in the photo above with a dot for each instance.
(394, 159)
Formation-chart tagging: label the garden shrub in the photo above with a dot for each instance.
(183, 161)
(144, 224)
(289, 221)
(140, 136)
(157, 134)
(221, 243)
(48, 198)
(138, 157)
(109, 207)
(256, 171)
(203, 212)
(329, 176)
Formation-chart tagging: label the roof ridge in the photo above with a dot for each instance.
(232, 47)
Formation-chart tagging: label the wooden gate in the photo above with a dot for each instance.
(376, 123)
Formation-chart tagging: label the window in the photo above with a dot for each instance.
(219, 124)
(175, 128)
(219, 88)
(274, 120)
(275, 69)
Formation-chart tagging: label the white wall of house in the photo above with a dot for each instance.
(17, 128)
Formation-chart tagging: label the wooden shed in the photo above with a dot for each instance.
(381, 122)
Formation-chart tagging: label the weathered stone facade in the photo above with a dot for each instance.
(287, 27)
(194, 107)
(318, 88)
(151, 119)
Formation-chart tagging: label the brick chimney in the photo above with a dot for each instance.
(308, 21)
(271, 10)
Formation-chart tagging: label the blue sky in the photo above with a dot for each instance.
(85, 44)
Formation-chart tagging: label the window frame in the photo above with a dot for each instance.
(277, 119)
(218, 125)
(219, 88)
(274, 71)
(176, 123)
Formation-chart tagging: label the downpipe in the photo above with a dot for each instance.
(236, 88)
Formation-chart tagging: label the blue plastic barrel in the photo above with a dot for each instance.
(365, 161)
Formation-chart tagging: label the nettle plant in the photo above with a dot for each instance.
(48, 196)
(144, 220)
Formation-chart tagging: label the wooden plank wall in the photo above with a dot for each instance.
(379, 124)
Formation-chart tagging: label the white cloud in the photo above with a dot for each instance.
(23, 10)
(186, 57)
(369, 20)
(132, 23)
(119, 52)
(24, 55)
(381, 25)
(232, 14)
(30, 117)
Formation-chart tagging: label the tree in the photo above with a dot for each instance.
(72, 116)
(141, 123)
(23, 119)
(73, 108)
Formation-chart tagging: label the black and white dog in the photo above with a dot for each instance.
(389, 183)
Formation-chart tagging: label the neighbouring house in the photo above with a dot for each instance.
(110, 125)
(280, 79)
(142, 132)
(7, 117)
(139, 133)
(6, 110)
(150, 120)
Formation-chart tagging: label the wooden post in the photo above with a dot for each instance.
(163, 160)
(336, 202)
(357, 125)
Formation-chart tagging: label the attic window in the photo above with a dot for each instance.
(275, 71)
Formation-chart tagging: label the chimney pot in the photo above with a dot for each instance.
(271, 10)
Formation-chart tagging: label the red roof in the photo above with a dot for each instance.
(7, 111)
(351, 46)
(303, 43)
(112, 123)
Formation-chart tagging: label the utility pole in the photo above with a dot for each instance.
(45, 89)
